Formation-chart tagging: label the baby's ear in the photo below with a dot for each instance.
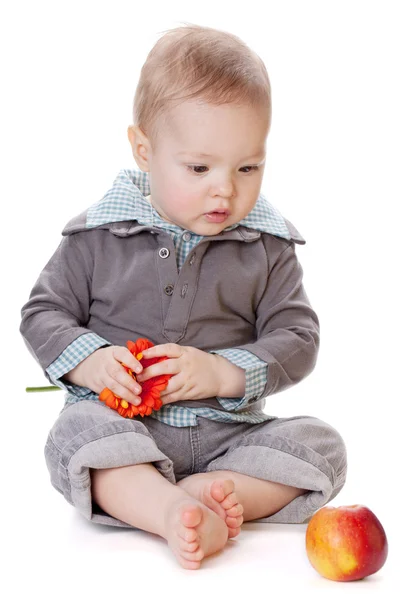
(140, 146)
(132, 131)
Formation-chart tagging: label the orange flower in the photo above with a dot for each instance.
(151, 388)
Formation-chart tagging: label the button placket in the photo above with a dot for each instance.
(181, 303)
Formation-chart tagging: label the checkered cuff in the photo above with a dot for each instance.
(74, 354)
(255, 373)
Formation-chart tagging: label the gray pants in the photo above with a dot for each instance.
(300, 451)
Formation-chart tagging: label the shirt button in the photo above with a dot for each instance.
(187, 236)
(169, 289)
(163, 253)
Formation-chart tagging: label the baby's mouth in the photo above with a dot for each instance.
(219, 211)
(217, 216)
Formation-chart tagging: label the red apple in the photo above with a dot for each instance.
(346, 543)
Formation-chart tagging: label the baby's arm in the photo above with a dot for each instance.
(58, 307)
(287, 326)
(287, 333)
(54, 319)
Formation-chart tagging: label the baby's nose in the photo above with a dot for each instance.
(225, 189)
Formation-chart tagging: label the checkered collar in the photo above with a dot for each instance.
(126, 201)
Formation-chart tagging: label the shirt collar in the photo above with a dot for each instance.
(126, 201)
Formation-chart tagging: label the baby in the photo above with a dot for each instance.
(188, 253)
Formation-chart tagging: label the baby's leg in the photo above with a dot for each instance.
(140, 496)
(283, 470)
(257, 498)
(93, 453)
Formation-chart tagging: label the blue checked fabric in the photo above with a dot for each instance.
(126, 201)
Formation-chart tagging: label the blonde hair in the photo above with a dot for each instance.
(196, 62)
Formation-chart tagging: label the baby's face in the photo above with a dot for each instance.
(206, 172)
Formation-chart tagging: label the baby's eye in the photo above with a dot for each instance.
(253, 167)
(194, 169)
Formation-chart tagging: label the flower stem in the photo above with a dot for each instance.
(44, 388)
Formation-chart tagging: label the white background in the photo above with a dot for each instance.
(68, 74)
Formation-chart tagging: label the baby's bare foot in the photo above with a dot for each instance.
(193, 532)
(219, 495)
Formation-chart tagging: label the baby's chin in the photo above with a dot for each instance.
(206, 229)
(203, 227)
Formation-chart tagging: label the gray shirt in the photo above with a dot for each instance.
(241, 289)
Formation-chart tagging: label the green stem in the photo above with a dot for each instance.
(44, 388)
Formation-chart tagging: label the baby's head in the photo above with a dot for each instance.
(202, 113)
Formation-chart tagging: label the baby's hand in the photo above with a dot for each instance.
(103, 369)
(195, 373)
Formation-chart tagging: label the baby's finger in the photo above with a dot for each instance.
(170, 350)
(123, 355)
(121, 383)
(123, 391)
(172, 393)
(164, 367)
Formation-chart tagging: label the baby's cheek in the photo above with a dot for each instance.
(181, 195)
(183, 204)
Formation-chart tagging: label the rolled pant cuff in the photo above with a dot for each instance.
(313, 473)
(109, 447)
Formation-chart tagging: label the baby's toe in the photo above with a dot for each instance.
(234, 522)
(191, 515)
(189, 564)
(230, 501)
(198, 555)
(188, 546)
(187, 534)
(233, 532)
(221, 488)
(235, 511)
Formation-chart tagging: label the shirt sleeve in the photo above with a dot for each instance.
(58, 308)
(255, 373)
(74, 354)
(287, 326)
